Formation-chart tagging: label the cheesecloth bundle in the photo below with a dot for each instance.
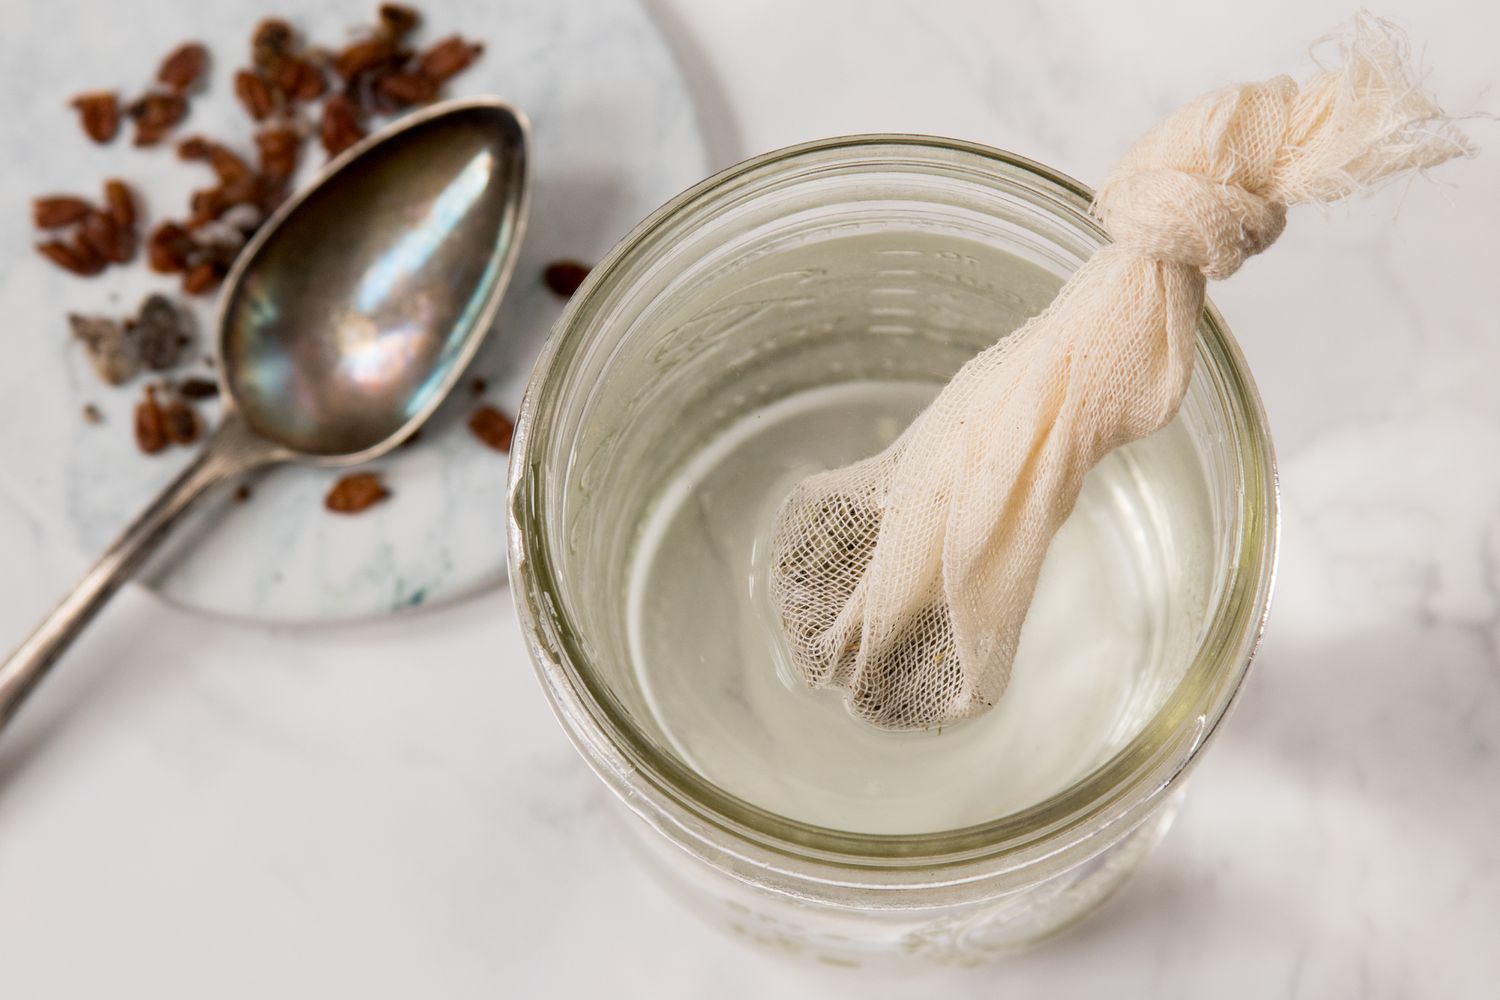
(905, 578)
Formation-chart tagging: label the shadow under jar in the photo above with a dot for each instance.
(790, 314)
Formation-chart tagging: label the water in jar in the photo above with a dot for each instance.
(1110, 631)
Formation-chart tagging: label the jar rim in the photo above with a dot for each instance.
(1127, 785)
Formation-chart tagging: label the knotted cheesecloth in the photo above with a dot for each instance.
(905, 578)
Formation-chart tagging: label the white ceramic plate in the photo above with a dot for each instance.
(615, 135)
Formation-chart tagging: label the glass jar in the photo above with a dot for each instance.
(722, 302)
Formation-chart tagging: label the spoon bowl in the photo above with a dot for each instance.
(341, 327)
(337, 340)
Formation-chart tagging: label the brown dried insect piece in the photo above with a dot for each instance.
(397, 21)
(196, 388)
(169, 248)
(155, 114)
(183, 67)
(72, 257)
(365, 55)
(206, 205)
(492, 427)
(158, 333)
(110, 349)
(341, 125)
(104, 237)
(242, 493)
(195, 148)
(272, 42)
(121, 202)
(150, 424)
(301, 79)
(180, 422)
(99, 113)
(92, 414)
(255, 94)
(229, 167)
(201, 278)
(279, 146)
(448, 58)
(356, 492)
(564, 276)
(479, 385)
(238, 184)
(55, 211)
(244, 190)
(406, 89)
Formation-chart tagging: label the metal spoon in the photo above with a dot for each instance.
(342, 326)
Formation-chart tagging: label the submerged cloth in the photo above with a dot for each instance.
(905, 578)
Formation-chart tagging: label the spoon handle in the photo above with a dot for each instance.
(233, 449)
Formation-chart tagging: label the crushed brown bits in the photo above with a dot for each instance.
(160, 333)
(254, 94)
(118, 349)
(564, 276)
(155, 114)
(181, 422)
(356, 492)
(407, 89)
(492, 427)
(110, 349)
(98, 236)
(341, 126)
(121, 202)
(160, 424)
(150, 424)
(279, 147)
(92, 414)
(183, 67)
(448, 58)
(396, 21)
(169, 248)
(56, 211)
(99, 114)
(73, 257)
(283, 73)
(102, 235)
(196, 388)
(380, 72)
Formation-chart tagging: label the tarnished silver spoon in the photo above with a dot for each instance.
(342, 326)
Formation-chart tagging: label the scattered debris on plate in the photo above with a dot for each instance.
(119, 350)
(150, 424)
(564, 276)
(110, 351)
(492, 427)
(195, 388)
(159, 425)
(356, 492)
(96, 236)
(292, 92)
(99, 115)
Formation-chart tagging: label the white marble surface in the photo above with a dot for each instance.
(194, 808)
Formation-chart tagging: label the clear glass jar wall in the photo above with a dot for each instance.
(752, 287)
